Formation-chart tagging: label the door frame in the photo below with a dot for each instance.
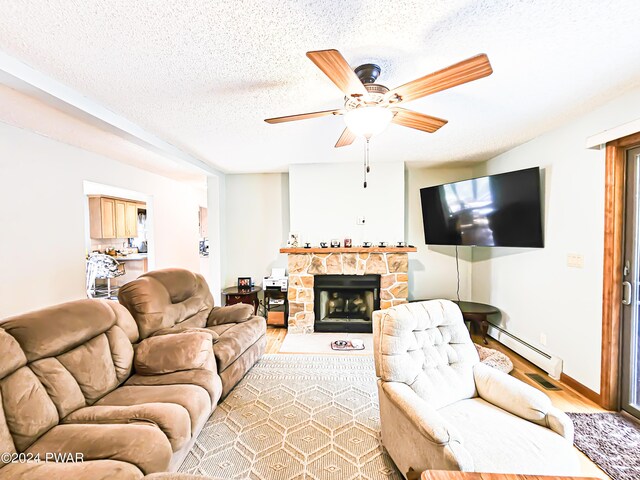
(614, 207)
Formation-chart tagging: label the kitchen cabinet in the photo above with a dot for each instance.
(121, 219)
(102, 217)
(131, 219)
(112, 218)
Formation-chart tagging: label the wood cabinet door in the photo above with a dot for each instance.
(131, 220)
(121, 219)
(108, 215)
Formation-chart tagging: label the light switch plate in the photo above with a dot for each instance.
(360, 221)
(575, 260)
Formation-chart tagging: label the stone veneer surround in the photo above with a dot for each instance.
(392, 268)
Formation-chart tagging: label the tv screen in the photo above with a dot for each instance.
(496, 211)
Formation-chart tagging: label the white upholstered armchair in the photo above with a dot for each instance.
(441, 409)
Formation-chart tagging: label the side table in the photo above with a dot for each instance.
(478, 314)
(249, 296)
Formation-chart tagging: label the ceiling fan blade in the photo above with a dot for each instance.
(346, 138)
(334, 66)
(466, 71)
(304, 116)
(419, 121)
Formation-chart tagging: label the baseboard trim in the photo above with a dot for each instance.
(580, 388)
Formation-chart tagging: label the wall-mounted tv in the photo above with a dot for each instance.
(501, 210)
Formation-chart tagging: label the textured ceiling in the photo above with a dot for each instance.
(204, 74)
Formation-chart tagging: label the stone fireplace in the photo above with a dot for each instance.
(390, 264)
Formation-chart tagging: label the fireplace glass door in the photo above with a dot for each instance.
(345, 303)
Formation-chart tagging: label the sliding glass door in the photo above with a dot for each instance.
(630, 381)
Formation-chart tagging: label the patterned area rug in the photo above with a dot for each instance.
(297, 416)
(611, 441)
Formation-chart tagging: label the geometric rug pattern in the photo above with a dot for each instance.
(611, 441)
(297, 417)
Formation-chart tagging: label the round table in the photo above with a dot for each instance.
(249, 296)
(478, 313)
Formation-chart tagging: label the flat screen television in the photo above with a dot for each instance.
(495, 211)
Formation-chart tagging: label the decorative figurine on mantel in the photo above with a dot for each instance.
(294, 240)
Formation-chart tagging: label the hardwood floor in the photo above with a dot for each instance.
(565, 399)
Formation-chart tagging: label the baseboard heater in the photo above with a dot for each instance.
(549, 363)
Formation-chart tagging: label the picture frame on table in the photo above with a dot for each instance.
(244, 283)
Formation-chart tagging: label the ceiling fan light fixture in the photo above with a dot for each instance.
(368, 121)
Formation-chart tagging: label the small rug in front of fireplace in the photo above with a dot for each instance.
(347, 345)
(320, 343)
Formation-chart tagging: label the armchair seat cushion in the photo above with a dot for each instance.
(501, 442)
(235, 338)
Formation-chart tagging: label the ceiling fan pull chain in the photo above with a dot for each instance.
(368, 156)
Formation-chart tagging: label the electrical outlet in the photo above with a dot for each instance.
(575, 260)
(360, 221)
(543, 339)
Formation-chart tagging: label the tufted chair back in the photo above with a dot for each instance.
(427, 346)
(167, 299)
(57, 360)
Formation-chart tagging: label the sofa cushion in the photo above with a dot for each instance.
(144, 446)
(28, 410)
(55, 330)
(193, 398)
(90, 470)
(234, 339)
(501, 442)
(206, 379)
(171, 418)
(173, 353)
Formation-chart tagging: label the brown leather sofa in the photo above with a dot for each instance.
(66, 386)
(173, 300)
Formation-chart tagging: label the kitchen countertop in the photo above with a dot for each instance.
(133, 256)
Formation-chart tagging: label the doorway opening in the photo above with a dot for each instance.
(118, 238)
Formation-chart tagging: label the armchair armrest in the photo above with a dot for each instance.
(170, 353)
(238, 313)
(426, 419)
(514, 396)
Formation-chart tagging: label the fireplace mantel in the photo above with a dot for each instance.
(350, 250)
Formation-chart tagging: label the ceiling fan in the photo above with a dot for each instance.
(369, 107)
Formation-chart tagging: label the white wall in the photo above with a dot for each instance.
(432, 269)
(42, 245)
(326, 199)
(257, 225)
(534, 288)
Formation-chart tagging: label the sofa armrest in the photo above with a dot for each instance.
(174, 352)
(238, 313)
(525, 401)
(426, 419)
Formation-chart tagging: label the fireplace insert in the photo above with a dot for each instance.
(345, 303)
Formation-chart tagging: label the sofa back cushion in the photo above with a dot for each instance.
(58, 360)
(163, 299)
(427, 346)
